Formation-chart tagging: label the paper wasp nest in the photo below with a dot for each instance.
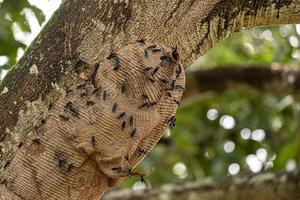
(112, 121)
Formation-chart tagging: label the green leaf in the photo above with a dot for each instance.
(23, 23)
(38, 14)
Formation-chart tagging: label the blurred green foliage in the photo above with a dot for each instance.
(12, 13)
(260, 45)
(262, 131)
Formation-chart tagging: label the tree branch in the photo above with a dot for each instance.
(274, 78)
(82, 33)
(262, 186)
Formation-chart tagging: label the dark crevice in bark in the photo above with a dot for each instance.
(121, 15)
(191, 4)
(178, 4)
(206, 34)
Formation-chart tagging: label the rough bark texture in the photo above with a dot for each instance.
(260, 187)
(273, 78)
(82, 33)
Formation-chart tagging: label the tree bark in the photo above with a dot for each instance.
(262, 186)
(272, 78)
(82, 33)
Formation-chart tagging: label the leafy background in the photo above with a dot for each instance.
(240, 131)
(12, 15)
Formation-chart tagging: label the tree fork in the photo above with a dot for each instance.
(82, 33)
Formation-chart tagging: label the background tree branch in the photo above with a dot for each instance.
(268, 186)
(275, 78)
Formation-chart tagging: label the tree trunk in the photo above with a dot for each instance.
(48, 150)
(262, 186)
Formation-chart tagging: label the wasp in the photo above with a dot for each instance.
(129, 172)
(78, 64)
(117, 63)
(177, 102)
(36, 129)
(152, 104)
(90, 103)
(64, 118)
(93, 78)
(142, 178)
(146, 53)
(171, 122)
(149, 47)
(169, 94)
(122, 114)
(178, 71)
(84, 94)
(142, 106)
(72, 108)
(116, 58)
(152, 46)
(61, 163)
(95, 90)
(50, 107)
(114, 109)
(179, 87)
(173, 85)
(126, 157)
(142, 40)
(20, 144)
(148, 69)
(4, 182)
(67, 91)
(118, 169)
(145, 96)
(111, 55)
(150, 79)
(7, 164)
(133, 133)
(164, 60)
(164, 81)
(81, 86)
(141, 152)
(123, 87)
(175, 53)
(130, 121)
(123, 125)
(105, 94)
(36, 141)
(156, 50)
(155, 70)
(93, 141)
(70, 167)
